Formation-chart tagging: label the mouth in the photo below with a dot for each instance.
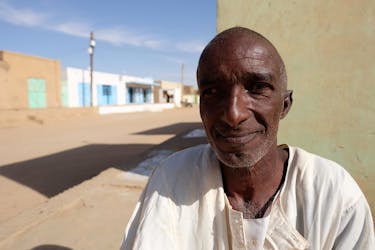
(237, 138)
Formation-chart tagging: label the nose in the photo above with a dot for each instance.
(235, 108)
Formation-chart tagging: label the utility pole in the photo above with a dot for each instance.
(91, 52)
(182, 73)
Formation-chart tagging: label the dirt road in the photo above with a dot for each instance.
(40, 160)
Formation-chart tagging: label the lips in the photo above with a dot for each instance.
(236, 138)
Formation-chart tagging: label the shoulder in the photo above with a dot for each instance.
(319, 176)
(183, 174)
(186, 161)
(191, 154)
(325, 203)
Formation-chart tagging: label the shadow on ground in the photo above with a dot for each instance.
(176, 128)
(50, 247)
(52, 174)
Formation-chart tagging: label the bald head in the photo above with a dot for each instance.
(241, 43)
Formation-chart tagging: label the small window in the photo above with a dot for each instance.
(107, 90)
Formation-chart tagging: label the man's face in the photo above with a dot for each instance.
(241, 99)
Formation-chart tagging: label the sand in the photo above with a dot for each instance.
(66, 184)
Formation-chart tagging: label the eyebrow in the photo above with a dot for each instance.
(207, 81)
(257, 76)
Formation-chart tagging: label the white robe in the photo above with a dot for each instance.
(183, 206)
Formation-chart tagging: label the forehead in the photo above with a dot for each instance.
(235, 56)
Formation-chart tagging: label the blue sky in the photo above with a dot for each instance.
(147, 38)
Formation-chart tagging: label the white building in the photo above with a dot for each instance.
(108, 89)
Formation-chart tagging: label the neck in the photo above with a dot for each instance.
(255, 186)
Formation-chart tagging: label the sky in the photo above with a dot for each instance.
(146, 38)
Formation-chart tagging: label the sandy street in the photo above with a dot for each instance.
(47, 187)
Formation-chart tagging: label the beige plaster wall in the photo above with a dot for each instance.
(169, 85)
(328, 48)
(4, 68)
(16, 69)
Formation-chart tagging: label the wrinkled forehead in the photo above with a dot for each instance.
(238, 53)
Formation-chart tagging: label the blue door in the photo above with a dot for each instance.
(130, 96)
(107, 95)
(84, 95)
(148, 95)
(36, 89)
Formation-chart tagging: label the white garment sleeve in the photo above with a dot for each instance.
(132, 227)
(356, 228)
(152, 225)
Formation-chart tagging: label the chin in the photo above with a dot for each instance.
(237, 160)
(241, 159)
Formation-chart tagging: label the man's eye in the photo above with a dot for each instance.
(210, 92)
(259, 88)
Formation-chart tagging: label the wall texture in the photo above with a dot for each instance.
(329, 52)
(15, 71)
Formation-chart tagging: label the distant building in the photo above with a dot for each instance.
(29, 82)
(169, 92)
(138, 89)
(174, 92)
(108, 89)
(190, 94)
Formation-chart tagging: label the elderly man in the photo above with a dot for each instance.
(243, 191)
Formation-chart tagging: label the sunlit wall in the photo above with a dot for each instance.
(328, 48)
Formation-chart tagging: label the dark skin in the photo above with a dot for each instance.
(242, 84)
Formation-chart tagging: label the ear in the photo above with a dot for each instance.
(287, 103)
